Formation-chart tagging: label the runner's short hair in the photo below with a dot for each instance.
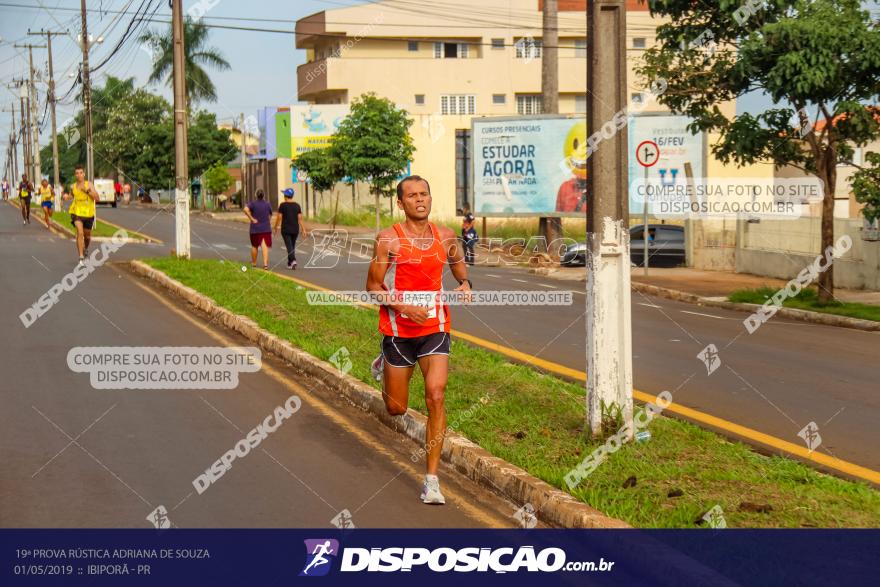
(260, 194)
(410, 178)
(79, 167)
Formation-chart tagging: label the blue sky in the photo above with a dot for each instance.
(263, 65)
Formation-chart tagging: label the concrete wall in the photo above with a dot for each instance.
(781, 248)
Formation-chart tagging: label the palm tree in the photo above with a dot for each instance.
(197, 55)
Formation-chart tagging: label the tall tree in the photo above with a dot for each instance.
(197, 56)
(71, 149)
(324, 169)
(119, 143)
(374, 143)
(819, 61)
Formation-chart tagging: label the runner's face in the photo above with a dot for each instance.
(80, 175)
(416, 200)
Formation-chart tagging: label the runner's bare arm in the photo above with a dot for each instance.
(455, 257)
(92, 193)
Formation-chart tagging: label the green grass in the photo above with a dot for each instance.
(503, 228)
(808, 299)
(63, 219)
(536, 421)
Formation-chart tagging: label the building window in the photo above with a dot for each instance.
(580, 47)
(499, 98)
(450, 50)
(420, 99)
(636, 98)
(580, 103)
(458, 104)
(528, 48)
(638, 42)
(529, 104)
(497, 43)
(413, 45)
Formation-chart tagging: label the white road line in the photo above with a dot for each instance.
(548, 286)
(577, 291)
(706, 315)
(495, 276)
(519, 280)
(649, 305)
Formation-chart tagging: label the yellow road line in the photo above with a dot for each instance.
(690, 413)
(461, 501)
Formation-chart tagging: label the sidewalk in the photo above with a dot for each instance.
(713, 284)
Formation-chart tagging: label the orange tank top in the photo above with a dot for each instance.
(416, 269)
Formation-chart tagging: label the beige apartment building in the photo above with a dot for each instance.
(448, 61)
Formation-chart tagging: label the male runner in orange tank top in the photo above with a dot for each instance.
(409, 257)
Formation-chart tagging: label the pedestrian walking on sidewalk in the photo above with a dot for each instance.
(289, 220)
(469, 237)
(5, 189)
(259, 212)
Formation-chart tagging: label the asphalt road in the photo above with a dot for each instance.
(74, 456)
(777, 380)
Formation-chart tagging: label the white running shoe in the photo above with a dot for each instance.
(377, 367)
(431, 491)
(81, 263)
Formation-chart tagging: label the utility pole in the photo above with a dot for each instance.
(56, 176)
(550, 227)
(15, 177)
(34, 170)
(243, 160)
(181, 163)
(87, 95)
(25, 129)
(609, 321)
(35, 128)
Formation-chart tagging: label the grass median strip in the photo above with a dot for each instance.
(100, 229)
(536, 421)
(808, 299)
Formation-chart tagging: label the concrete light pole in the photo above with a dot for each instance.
(609, 322)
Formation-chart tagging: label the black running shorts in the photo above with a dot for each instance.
(87, 221)
(404, 352)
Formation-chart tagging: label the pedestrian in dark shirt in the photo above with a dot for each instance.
(259, 212)
(469, 237)
(289, 220)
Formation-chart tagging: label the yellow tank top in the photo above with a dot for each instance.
(46, 194)
(82, 205)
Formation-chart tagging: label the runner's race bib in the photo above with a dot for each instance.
(423, 299)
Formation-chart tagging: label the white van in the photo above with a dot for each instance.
(106, 193)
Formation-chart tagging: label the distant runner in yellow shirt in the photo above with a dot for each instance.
(82, 211)
(25, 191)
(47, 200)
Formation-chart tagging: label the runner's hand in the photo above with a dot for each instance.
(417, 314)
(467, 297)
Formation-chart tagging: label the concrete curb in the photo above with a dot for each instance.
(552, 506)
(792, 313)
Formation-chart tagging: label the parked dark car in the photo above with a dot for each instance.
(665, 247)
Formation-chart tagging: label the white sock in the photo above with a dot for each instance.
(430, 477)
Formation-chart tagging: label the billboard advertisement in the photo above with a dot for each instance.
(676, 145)
(533, 166)
(312, 125)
